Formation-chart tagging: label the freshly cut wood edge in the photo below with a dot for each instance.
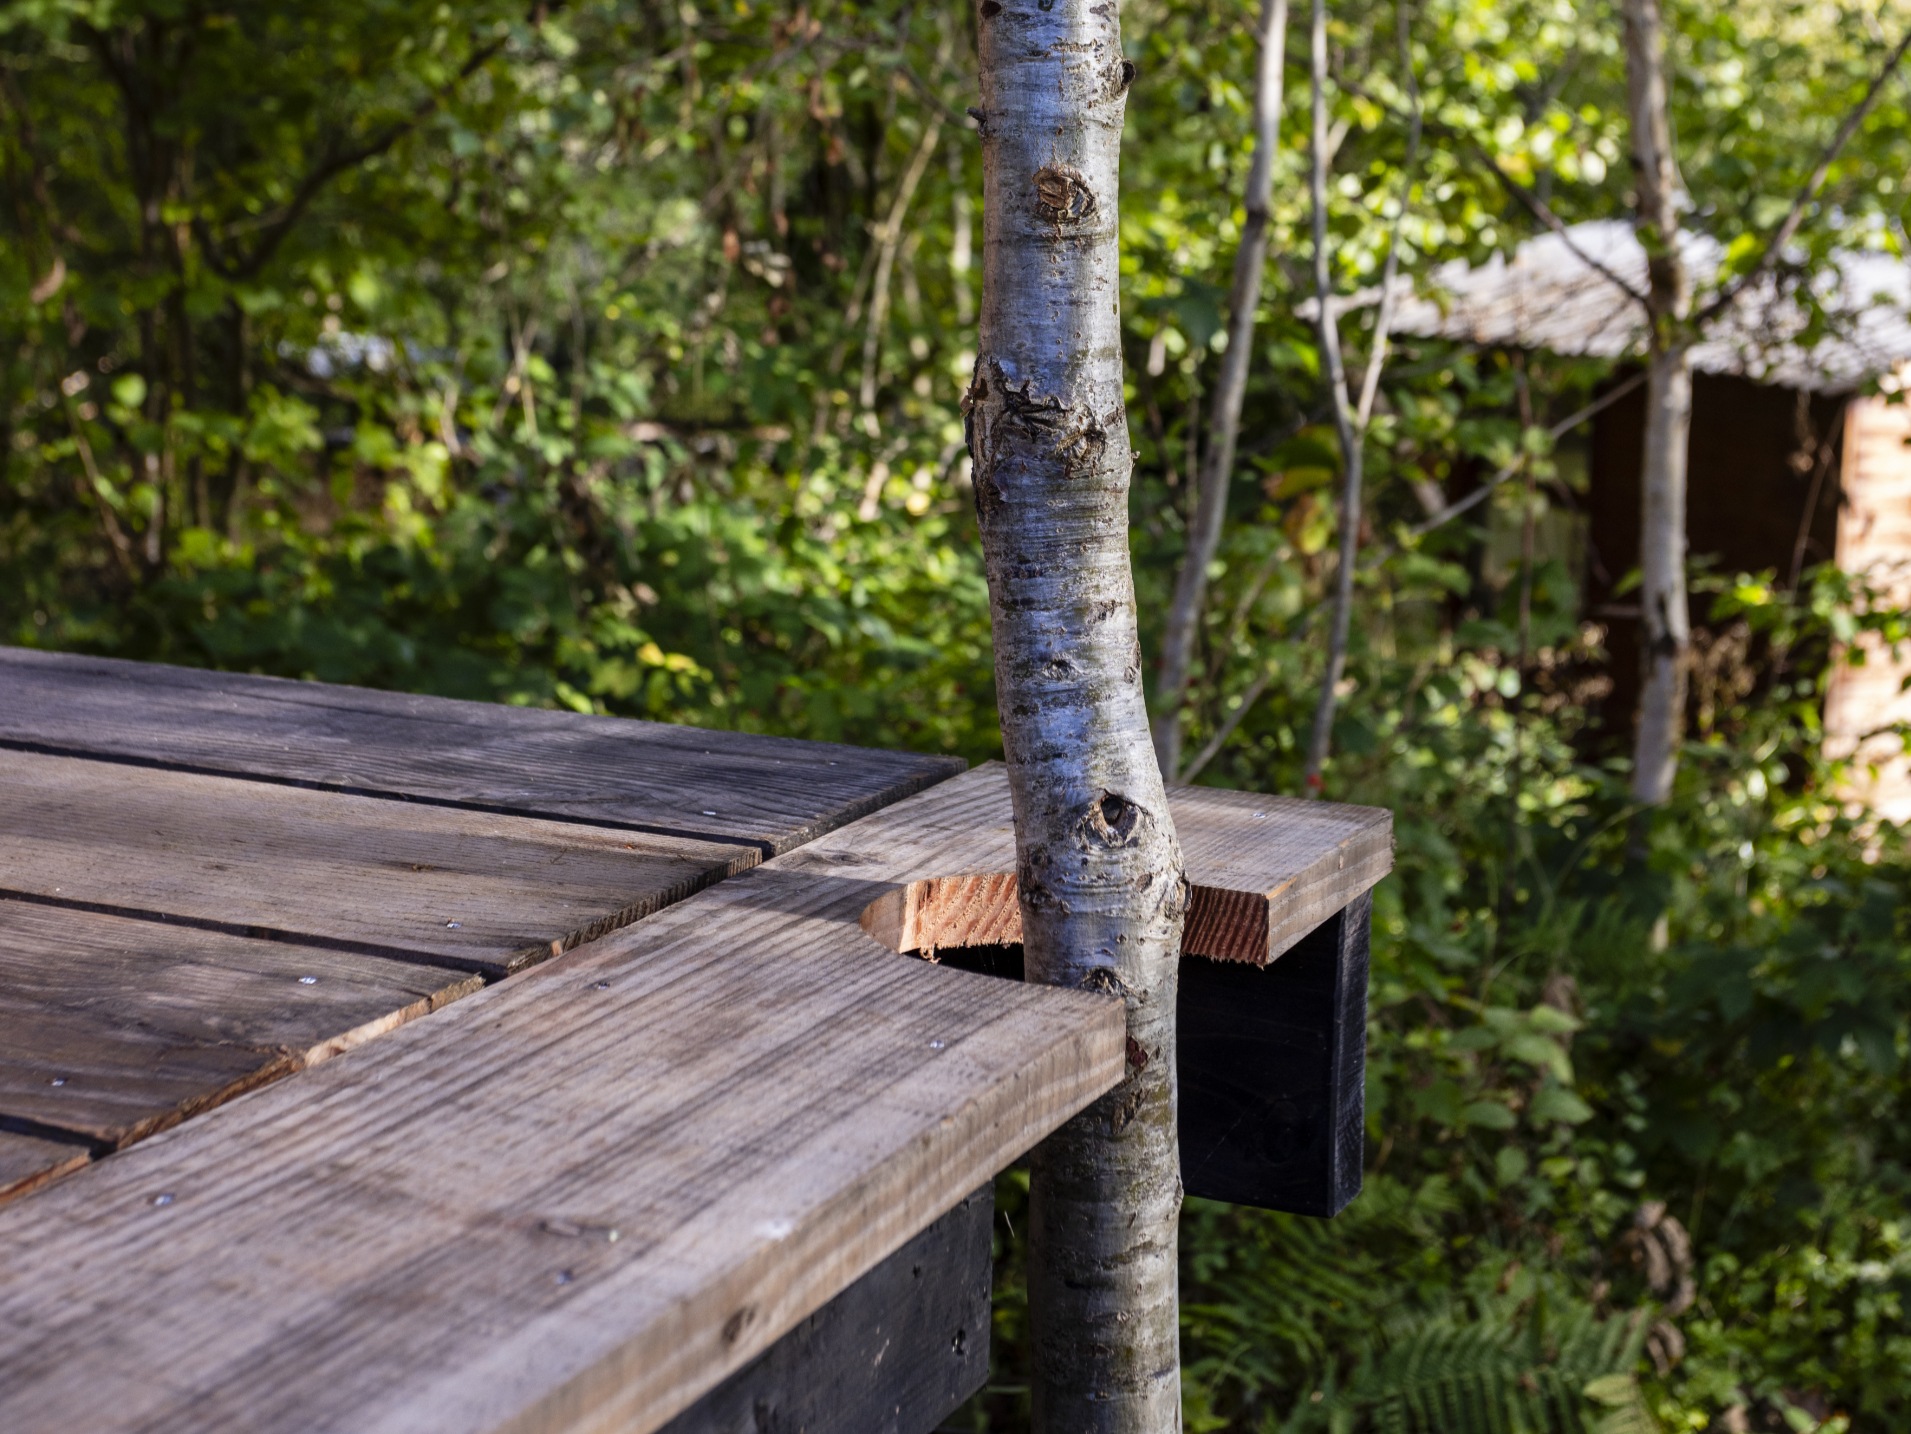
(28, 1162)
(370, 1030)
(1264, 871)
(941, 911)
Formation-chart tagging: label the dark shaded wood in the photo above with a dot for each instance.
(1746, 503)
(471, 890)
(111, 1028)
(769, 792)
(29, 1161)
(1273, 1072)
(1272, 1067)
(895, 1353)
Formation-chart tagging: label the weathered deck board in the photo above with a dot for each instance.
(112, 1028)
(27, 1162)
(1265, 871)
(770, 792)
(461, 888)
(758, 1100)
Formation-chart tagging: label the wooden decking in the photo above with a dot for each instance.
(667, 1100)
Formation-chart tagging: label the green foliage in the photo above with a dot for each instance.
(607, 356)
(1500, 1374)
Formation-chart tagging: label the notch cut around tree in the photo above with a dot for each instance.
(1264, 872)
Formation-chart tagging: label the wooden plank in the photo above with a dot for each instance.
(1273, 1072)
(467, 889)
(1265, 871)
(895, 1353)
(28, 1162)
(112, 1028)
(761, 1103)
(770, 792)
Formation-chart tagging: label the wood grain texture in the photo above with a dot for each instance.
(895, 1353)
(112, 1028)
(760, 1101)
(460, 888)
(1265, 871)
(28, 1162)
(717, 786)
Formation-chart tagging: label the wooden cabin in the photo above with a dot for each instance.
(1800, 448)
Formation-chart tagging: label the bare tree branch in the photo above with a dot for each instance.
(338, 160)
(1795, 216)
(1351, 444)
(1558, 430)
(1383, 317)
(1212, 478)
(1528, 200)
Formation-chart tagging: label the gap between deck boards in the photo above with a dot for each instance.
(764, 849)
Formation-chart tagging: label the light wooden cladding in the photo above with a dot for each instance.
(1265, 871)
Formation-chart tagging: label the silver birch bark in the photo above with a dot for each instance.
(1102, 890)
(1664, 623)
(1183, 626)
(1352, 446)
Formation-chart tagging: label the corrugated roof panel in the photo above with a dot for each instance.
(1551, 295)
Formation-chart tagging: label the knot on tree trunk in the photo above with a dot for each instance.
(1113, 821)
(999, 414)
(1062, 195)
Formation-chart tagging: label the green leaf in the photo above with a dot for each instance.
(1556, 1103)
(1488, 1115)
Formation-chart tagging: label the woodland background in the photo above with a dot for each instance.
(610, 355)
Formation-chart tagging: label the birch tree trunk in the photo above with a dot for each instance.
(1183, 627)
(1102, 890)
(1352, 445)
(1664, 624)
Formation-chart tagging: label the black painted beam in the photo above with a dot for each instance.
(1273, 1072)
(895, 1353)
(1272, 1067)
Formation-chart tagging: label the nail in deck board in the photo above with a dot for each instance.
(467, 889)
(772, 792)
(111, 1028)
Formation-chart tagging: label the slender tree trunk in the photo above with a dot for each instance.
(1664, 625)
(1102, 890)
(1351, 445)
(1224, 423)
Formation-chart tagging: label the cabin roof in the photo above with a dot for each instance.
(1829, 331)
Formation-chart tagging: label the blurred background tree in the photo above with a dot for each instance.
(609, 355)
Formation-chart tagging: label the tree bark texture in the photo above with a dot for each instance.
(1102, 891)
(1180, 635)
(1352, 446)
(1664, 623)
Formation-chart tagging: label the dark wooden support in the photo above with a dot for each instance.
(895, 1353)
(1273, 1072)
(1273, 1067)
